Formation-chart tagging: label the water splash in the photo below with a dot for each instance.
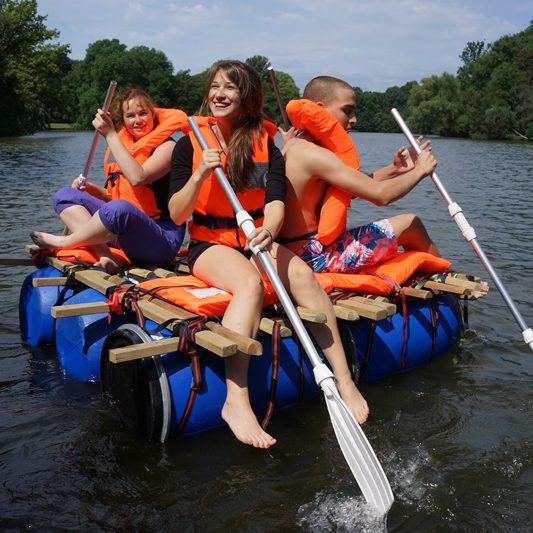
(338, 512)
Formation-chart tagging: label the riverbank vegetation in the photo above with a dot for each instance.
(490, 96)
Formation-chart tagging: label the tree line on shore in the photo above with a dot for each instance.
(490, 97)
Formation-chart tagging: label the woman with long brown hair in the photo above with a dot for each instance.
(219, 252)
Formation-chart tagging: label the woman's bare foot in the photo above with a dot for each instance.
(110, 264)
(47, 240)
(354, 400)
(242, 421)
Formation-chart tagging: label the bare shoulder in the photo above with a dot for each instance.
(303, 147)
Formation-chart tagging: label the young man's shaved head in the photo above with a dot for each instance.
(323, 88)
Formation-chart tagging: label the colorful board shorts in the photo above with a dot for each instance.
(354, 250)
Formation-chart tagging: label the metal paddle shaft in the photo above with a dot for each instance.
(470, 235)
(105, 107)
(275, 88)
(356, 449)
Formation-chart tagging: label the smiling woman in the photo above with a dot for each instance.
(131, 212)
(240, 141)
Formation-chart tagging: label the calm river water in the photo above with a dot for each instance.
(455, 438)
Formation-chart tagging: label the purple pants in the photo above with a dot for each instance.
(144, 240)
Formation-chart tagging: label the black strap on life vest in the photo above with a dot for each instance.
(112, 179)
(275, 370)
(212, 222)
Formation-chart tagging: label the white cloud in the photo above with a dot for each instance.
(372, 44)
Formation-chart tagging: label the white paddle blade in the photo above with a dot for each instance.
(357, 451)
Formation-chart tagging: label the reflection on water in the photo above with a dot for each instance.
(455, 438)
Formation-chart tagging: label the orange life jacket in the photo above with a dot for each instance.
(197, 297)
(328, 133)
(213, 219)
(84, 255)
(382, 278)
(118, 187)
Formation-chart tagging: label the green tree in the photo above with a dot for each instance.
(189, 90)
(435, 105)
(107, 60)
(31, 69)
(497, 86)
(373, 108)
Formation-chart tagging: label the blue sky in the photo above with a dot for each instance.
(372, 44)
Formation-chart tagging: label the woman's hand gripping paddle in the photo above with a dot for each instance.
(470, 235)
(82, 178)
(357, 451)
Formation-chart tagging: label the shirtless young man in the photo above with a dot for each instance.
(311, 168)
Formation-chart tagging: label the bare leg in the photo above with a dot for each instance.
(74, 218)
(306, 291)
(90, 233)
(412, 234)
(240, 278)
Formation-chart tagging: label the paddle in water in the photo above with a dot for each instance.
(469, 234)
(357, 450)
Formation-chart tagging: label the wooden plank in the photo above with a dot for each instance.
(309, 315)
(160, 311)
(389, 307)
(57, 263)
(345, 314)
(49, 282)
(31, 248)
(267, 326)
(101, 281)
(416, 293)
(244, 344)
(67, 310)
(364, 310)
(377, 298)
(474, 286)
(98, 280)
(444, 287)
(215, 343)
(467, 277)
(150, 273)
(145, 349)
(12, 260)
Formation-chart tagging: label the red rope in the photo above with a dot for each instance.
(274, 378)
